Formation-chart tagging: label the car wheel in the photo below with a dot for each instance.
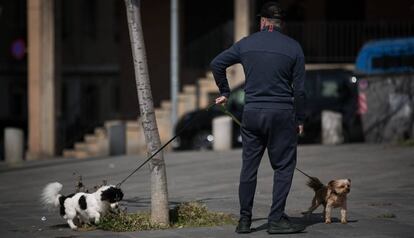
(202, 141)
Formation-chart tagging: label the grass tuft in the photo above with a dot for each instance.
(189, 214)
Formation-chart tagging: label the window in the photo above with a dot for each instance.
(329, 89)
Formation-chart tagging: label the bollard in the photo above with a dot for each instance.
(222, 133)
(116, 137)
(13, 145)
(332, 128)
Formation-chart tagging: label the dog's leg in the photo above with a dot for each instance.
(315, 204)
(72, 224)
(114, 205)
(70, 216)
(343, 214)
(83, 220)
(328, 210)
(96, 216)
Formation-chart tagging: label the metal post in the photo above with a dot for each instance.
(174, 62)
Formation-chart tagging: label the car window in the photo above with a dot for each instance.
(329, 88)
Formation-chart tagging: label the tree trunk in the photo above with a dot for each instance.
(159, 192)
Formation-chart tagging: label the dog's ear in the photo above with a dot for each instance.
(330, 188)
(121, 194)
(112, 194)
(349, 180)
(106, 195)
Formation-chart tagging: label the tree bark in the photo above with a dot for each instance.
(159, 192)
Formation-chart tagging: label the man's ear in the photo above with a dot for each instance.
(262, 23)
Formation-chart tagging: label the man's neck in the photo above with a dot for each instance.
(270, 28)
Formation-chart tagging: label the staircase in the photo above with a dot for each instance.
(93, 145)
(97, 144)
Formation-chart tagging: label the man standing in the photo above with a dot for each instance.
(273, 113)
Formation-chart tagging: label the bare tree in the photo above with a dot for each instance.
(159, 192)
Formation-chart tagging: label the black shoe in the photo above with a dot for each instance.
(244, 225)
(284, 226)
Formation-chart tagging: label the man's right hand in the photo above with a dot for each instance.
(300, 129)
(221, 100)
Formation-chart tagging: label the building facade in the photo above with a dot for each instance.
(83, 75)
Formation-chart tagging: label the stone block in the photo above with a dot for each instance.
(13, 145)
(332, 128)
(222, 133)
(116, 137)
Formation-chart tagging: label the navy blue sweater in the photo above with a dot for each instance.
(274, 67)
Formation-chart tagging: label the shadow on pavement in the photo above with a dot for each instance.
(146, 202)
(307, 220)
(59, 226)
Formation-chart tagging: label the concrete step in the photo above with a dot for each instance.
(81, 146)
(77, 154)
(110, 123)
(95, 149)
(69, 153)
(100, 131)
(209, 75)
(90, 138)
(80, 154)
(190, 88)
(90, 149)
(161, 113)
(203, 82)
(166, 104)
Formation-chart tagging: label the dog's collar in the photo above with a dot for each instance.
(337, 194)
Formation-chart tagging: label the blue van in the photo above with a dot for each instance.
(386, 56)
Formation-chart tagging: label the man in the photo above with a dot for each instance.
(273, 113)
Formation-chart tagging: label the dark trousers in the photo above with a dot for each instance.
(275, 130)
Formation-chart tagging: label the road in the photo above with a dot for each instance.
(382, 186)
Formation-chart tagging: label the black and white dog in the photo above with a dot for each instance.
(82, 207)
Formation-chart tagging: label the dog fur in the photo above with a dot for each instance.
(82, 207)
(330, 196)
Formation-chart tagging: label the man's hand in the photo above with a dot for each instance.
(221, 100)
(300, 129)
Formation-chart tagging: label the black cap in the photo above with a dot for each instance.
(272, 10)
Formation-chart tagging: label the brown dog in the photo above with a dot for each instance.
(331, 196)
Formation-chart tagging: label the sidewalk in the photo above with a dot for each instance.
(382, 184)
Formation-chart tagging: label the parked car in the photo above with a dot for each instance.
(334, 90)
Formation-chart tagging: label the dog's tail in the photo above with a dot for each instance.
(314, 183)
(51, 195)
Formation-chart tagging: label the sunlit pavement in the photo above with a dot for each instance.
(380, 204)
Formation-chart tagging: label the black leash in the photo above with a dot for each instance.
(307, 175)
(223, 109)
(162, 147)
